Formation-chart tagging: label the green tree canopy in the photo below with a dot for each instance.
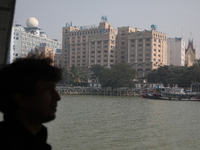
(119, 75)
(181, 75)
(73, 76)
(97, 71)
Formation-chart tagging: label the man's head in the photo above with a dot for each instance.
(28, 84)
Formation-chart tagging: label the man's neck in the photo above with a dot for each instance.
(33, 127)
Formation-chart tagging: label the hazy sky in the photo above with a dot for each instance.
(176, 18)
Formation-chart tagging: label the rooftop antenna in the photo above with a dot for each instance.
(182, 32)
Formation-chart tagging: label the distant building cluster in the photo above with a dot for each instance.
(85, 46)
(30, 39)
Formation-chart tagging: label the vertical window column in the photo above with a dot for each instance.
(129, 52)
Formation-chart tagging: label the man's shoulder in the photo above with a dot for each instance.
(3, 127)
(2, 124)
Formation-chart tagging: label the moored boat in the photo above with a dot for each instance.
(172, 94)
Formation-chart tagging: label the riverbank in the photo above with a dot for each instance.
(98, 91)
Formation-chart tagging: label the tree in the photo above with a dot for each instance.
(65, 76)
(73, 76)
(97, 71)
(119, 75)
(181, 75)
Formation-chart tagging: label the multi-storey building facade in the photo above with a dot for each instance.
(122, 43)
(175, 51)
(191, 54)
(143, 50)
(89, 45)
(27, 39)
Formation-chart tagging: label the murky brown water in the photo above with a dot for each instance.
(124, 123)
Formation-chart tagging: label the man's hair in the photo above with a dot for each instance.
(21, 77)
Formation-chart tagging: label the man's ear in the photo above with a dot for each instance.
(20, 99)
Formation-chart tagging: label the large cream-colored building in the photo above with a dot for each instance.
(143, 50)
(86, 46)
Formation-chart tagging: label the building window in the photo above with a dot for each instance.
(122, 47)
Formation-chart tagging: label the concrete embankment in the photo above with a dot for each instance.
(98, 91)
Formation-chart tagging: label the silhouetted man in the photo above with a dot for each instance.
(28, 99)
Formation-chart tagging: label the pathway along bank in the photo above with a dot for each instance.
(98, 91)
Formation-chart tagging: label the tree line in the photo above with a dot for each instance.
(170, 75)
(119, 75)
(123, 75)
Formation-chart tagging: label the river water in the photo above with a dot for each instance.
(124, 123)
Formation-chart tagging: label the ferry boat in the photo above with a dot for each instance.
(172, 94)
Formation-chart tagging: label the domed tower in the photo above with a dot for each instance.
(32, 26)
